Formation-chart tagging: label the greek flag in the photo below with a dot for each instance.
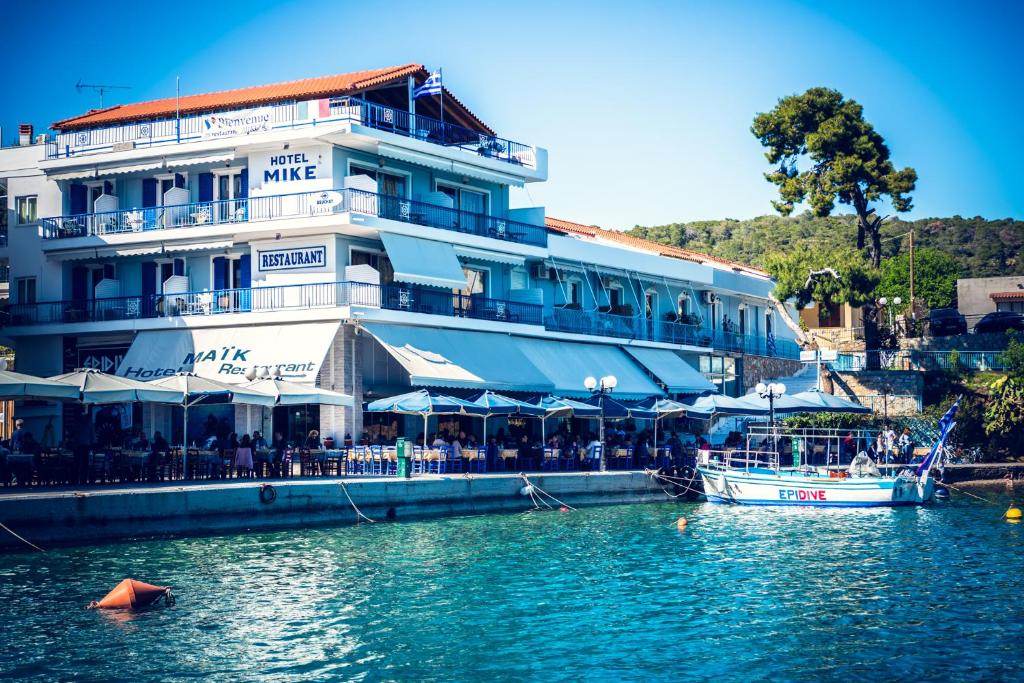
(431, 86)
(945, 427)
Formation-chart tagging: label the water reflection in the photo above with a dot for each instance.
(615, 593)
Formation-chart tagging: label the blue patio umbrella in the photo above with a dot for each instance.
(827, 403)
(618, 410)
(719, 404)
(496, 404)
(666, 407)
(425, 403)
(555, 406)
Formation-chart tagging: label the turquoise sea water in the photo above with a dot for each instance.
(612, 593)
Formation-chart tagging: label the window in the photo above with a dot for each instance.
(682, 306)
(3, 205)
(614, 298)
(26, 290)
(743, 319)
(379, 261)
(476, 282)
(389, 184)
(723, 372)
(574, 293)
(650, 305)
(828, 316)
(464, 199)
(27, 209)
(520, 278)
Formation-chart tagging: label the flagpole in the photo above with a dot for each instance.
(177, 106)
(440, 73)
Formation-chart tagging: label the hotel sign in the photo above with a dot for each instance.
(232, 124)
(292, 258)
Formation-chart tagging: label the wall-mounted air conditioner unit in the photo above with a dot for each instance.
(540, 271)
(707, 296)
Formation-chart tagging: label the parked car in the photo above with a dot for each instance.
(946, 322)
(999, 322)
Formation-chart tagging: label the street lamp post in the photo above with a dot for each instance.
(771, 391)
(601, 388)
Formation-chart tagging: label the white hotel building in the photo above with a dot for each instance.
(336, 231)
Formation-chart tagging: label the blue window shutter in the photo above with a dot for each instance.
(79, 196)
(148, 192)
(245, 268)
(179, 180)
(179, 266)
(108, 187)
(220, 272)
(79, 283)
(148, 278)
(206, 187)
(245, 183)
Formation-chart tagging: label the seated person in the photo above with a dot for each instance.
(159, 442)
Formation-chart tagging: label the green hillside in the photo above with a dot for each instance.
(982, 248)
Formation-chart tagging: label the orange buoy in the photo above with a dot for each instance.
(563, 509)
(132, 594)
(681, 523)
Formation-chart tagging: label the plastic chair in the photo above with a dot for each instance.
(550, 460)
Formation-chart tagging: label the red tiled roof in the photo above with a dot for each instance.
(1008, 296)
(569, 228)
(307, 88)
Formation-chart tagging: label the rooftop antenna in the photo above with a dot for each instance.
(102, 88)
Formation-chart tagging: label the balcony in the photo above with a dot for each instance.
(298, 205)
(640, 328)
(393, 297)
(291, 115)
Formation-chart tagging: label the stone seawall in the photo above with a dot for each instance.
(89, 516)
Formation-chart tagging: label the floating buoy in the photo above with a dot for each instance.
(681, 523)
(941, 493)
(132, 594)
(563, 509)
(1013, 513)
(526, 490)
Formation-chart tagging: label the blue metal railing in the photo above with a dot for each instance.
(279, 298)
(916, 360)
(5, 273)
(634, 327)
(192, 128)
(301, 204)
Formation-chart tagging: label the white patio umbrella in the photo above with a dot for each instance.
(16, 385)
(287, 393)
(95, 387)
(195, 389)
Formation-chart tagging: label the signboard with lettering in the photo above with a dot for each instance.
(292, 169)
(234, 123)
(102, 359)
(291, 258)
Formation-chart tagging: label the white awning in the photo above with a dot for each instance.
(74, 175)
(567, 364)
(226, 353)
(196, 161)
(423, 262)
(89, 253)
(491, 256)
(675, 373)
(131, 168)
(464, 359)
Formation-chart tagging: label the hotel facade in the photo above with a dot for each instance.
(337, 231)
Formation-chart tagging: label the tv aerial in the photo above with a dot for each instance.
(100, 88)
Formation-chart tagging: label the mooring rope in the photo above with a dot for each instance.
(359, 513)
(26, 542)
(653, 474)
(542, 491)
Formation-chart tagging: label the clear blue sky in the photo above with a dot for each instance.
(645, 107)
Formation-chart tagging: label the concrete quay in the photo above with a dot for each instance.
(82, 515)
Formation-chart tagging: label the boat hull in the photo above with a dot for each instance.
(794, 488)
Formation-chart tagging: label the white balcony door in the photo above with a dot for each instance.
(228, 193)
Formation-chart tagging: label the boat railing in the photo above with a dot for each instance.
(733, 459)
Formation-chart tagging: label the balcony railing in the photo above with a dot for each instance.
(919, 361)
(5, 273)
(281, 298)
(193, 128)
(633, 327)
(401, 122)
(297, 205)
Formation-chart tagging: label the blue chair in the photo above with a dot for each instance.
(568, 460)
(390, 463)
(418, 464)
(376, 460)
(595, 459)
(549, 463)
(479, 463)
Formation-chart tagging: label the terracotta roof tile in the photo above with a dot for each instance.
(307, 88)
(1007, 296)
(569, 228)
